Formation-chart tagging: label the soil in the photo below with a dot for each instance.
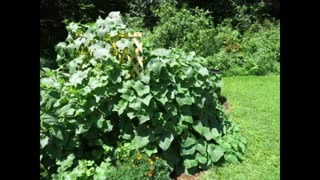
(184, 176)
(227, 106)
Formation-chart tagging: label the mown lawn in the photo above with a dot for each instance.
(255, 106)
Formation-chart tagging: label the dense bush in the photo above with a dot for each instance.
(254, 53)
(222, 9)
(239, 46)
(134, 22)
(263, 51)
(248, 16)
(143, 9)
(105, 95)
(187, 29)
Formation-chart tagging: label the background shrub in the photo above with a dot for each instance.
(187, 29)
(253, 53)
(239, 46)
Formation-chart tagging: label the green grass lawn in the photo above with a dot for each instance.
(255, 106)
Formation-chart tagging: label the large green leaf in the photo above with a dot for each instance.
(173, 63)
(155, 67)
(160, 52)
(184, 100)
(64, 110)
(189, 72)
(140, 88)
(190, 56)
(214, 132)
(70, 112)
(204, 131)
(135, 104)
(48, 119)
(44, 141)
(50, 82)
(78, 77)
(143, 135)
(129, 96)
(57, 133)
(104, 124)
(188, 142)
(114, 33)
(72, 67)
(146, 100)
(225, 145)
(243, 140)
(131, 115)
(149, 150)
(201, 146)
(102, 53)
(203, 71)
(231, 158)
(170, 107)
(140, 141)
(145, 77)
(67, 162)
(189, 163)
(201, 159)
(215, 152)
(143, 117)
(126, 86)
(83, 128)
(95, 83)
(103, 171)
(162, 99)
(165, 140)
(189, 150)
(124, 43)
(242, 146)
(120, 107)
(240, 155)
(188, 119)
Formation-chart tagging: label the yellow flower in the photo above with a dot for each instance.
(150, 175)
(139, 157)
(157, 157)
(151, 162)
